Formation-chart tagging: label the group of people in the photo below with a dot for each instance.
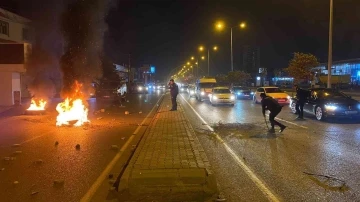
(267, 103)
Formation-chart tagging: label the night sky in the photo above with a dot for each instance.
(166, 33)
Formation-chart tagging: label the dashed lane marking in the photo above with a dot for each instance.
(260, 184)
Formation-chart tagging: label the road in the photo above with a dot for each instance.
(34, 168)
(309, 161)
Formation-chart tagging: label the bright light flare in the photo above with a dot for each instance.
(220, 25)
(201, 48)
(242, 25)
(37, 105)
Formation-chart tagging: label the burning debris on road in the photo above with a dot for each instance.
(37, 107)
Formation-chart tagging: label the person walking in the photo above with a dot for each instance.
(301, 96)
(174, 91)
(274, 107)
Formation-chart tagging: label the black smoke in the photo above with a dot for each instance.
(83, 27)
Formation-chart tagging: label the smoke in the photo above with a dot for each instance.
(83, 28)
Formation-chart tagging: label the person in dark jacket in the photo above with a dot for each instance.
(301, 96)
(174, 91)
(268, 103)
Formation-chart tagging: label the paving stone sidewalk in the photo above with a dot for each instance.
(169, 163)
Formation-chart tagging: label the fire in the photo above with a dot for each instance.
(36, 106)
(71, 110)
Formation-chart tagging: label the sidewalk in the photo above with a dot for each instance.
(169, 163)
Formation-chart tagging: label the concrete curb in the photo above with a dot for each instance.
(187, 181)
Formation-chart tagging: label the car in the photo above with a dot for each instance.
(107, 90)
(184, 88)
(141, 88)
(161, 86)
(204, 87)
(274, 92)
(221, 95)
(191, 91)
(242, 92)
(328, 103)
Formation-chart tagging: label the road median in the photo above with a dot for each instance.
(169, 163)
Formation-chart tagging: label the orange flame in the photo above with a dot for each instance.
(40, 105)
(72, 109)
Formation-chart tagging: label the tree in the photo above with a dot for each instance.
(300, 66)
(239, 77)
(221, 78)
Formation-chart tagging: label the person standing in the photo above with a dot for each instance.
(274, 107)
(174, 91)
(301, 96)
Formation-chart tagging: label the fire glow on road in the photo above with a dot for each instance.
(37, 105)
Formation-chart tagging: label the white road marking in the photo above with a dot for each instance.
(260, 184)
(290, 122)
(94, 187)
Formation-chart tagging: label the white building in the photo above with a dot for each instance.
(16, 39)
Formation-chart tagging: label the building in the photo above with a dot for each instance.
(343, 67)
(16, 39)
(251, 59)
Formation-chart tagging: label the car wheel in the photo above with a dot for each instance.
(319, 113)
(293, 107)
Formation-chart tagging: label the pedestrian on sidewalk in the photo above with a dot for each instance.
(174, 91)
(268, 103)
(301, 96)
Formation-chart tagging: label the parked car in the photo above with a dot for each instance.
(221, 95)
(325, 102)
(107, 90)
(274, 92)
(140, 88)
(241, 92)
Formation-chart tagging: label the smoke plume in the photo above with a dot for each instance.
(83, 27)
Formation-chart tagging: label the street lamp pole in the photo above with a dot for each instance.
(231, 47)
(208, 62)
(330, 45)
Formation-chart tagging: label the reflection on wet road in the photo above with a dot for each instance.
(309, 161)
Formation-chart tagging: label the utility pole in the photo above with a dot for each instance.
(330, 45)
(129, 67)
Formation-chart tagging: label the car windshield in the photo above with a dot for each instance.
(329, 93)
(273, 90)
(206, 85)
(221, 91)
(240, 89)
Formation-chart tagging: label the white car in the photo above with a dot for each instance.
(221, 95)
(274, 92)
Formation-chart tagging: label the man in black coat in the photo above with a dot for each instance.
(268, 103)
(174, 91)
(301, 96)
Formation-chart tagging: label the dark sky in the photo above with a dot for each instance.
(167, 33)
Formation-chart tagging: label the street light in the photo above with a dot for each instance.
(220, 26)
(201, 48)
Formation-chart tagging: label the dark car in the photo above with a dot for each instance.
(325, 103)
(242, 92)
(107, 90)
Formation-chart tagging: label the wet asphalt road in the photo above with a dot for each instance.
(37, 162)
(251, 165)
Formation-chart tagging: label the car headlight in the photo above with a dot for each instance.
(252, 93)
(214, 97)
(330, 107)
(232, 97)
(288, 97)
(192, 92)
(202, 93)
(140, 88)
(146, 88)
(182, 89)
(358, 106)
(239, 93)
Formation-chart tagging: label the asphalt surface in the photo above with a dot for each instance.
(34, 168)
(309, 161)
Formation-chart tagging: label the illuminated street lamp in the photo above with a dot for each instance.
(201, 48)
(220, 26)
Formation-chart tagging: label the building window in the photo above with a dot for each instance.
(4, 28)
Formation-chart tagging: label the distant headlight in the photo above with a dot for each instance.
(330, 107)
(232, 97)
(140, 88)
(202, 93)
(358, 106)
(182, 89)
(214, 97)
(192, 92)
(288, 97)
(252, 93)
(239, 93)
(146, 88)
